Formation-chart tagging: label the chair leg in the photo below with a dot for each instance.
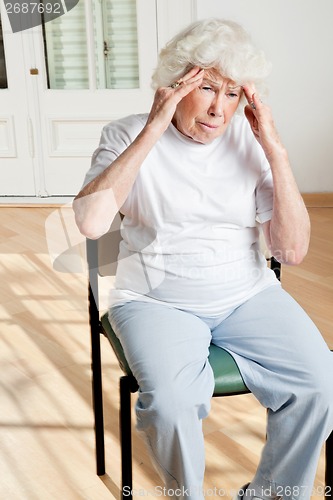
(126, 437)
(329, 467)
(98, 402)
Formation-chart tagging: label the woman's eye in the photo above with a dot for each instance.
(233, 95)
(206, 87)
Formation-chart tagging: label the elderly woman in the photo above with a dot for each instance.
(194, 179)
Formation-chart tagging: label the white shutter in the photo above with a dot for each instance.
(115, 46)
(66, 50)
(121, 43)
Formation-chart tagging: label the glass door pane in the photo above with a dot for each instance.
(3, 72)
(114, 52)
(65, 44)
(121, 64)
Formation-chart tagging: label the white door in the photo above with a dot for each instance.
(17, 176)
(67, 79)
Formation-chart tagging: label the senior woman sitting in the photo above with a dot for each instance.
(193, 179)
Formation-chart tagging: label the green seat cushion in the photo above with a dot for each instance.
(228, 379)
(115, 343)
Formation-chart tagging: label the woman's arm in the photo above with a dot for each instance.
(287, 234)
(98, 202)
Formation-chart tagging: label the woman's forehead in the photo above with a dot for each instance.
(214, 76)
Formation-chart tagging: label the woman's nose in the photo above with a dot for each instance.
(216, 107)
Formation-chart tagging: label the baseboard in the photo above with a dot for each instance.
(324, 200)
(34, 201)
(318, 200)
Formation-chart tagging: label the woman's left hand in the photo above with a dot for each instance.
(261, 121)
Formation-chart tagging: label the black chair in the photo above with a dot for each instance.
(102, 261)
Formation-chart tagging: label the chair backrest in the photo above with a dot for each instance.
(108, 248)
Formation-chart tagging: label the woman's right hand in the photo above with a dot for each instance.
(167, 98)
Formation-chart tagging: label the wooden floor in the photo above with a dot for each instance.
(46, 425)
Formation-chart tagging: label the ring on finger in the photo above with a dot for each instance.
(253, 106)
(176, 84)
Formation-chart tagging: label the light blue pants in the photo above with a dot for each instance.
(284, 362)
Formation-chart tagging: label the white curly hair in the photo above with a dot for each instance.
(213, 43)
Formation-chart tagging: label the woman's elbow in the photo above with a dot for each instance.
(90, 230)
(295, 259)
(87, 227)
(291, 256)
(91, 235)
(94, 213)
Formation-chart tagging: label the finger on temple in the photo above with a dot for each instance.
(249, 91)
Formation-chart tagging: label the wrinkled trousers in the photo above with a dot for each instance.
(283, 360)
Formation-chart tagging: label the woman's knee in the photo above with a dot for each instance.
(318, 391)
(172, 404)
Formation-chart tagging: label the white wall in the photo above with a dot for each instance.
(297, 36)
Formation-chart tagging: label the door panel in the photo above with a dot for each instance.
(16, 147)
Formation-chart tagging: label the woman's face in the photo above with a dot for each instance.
(204, 114)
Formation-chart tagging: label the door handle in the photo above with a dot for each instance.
(106, 48)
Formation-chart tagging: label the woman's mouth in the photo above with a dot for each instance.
(208, 125)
